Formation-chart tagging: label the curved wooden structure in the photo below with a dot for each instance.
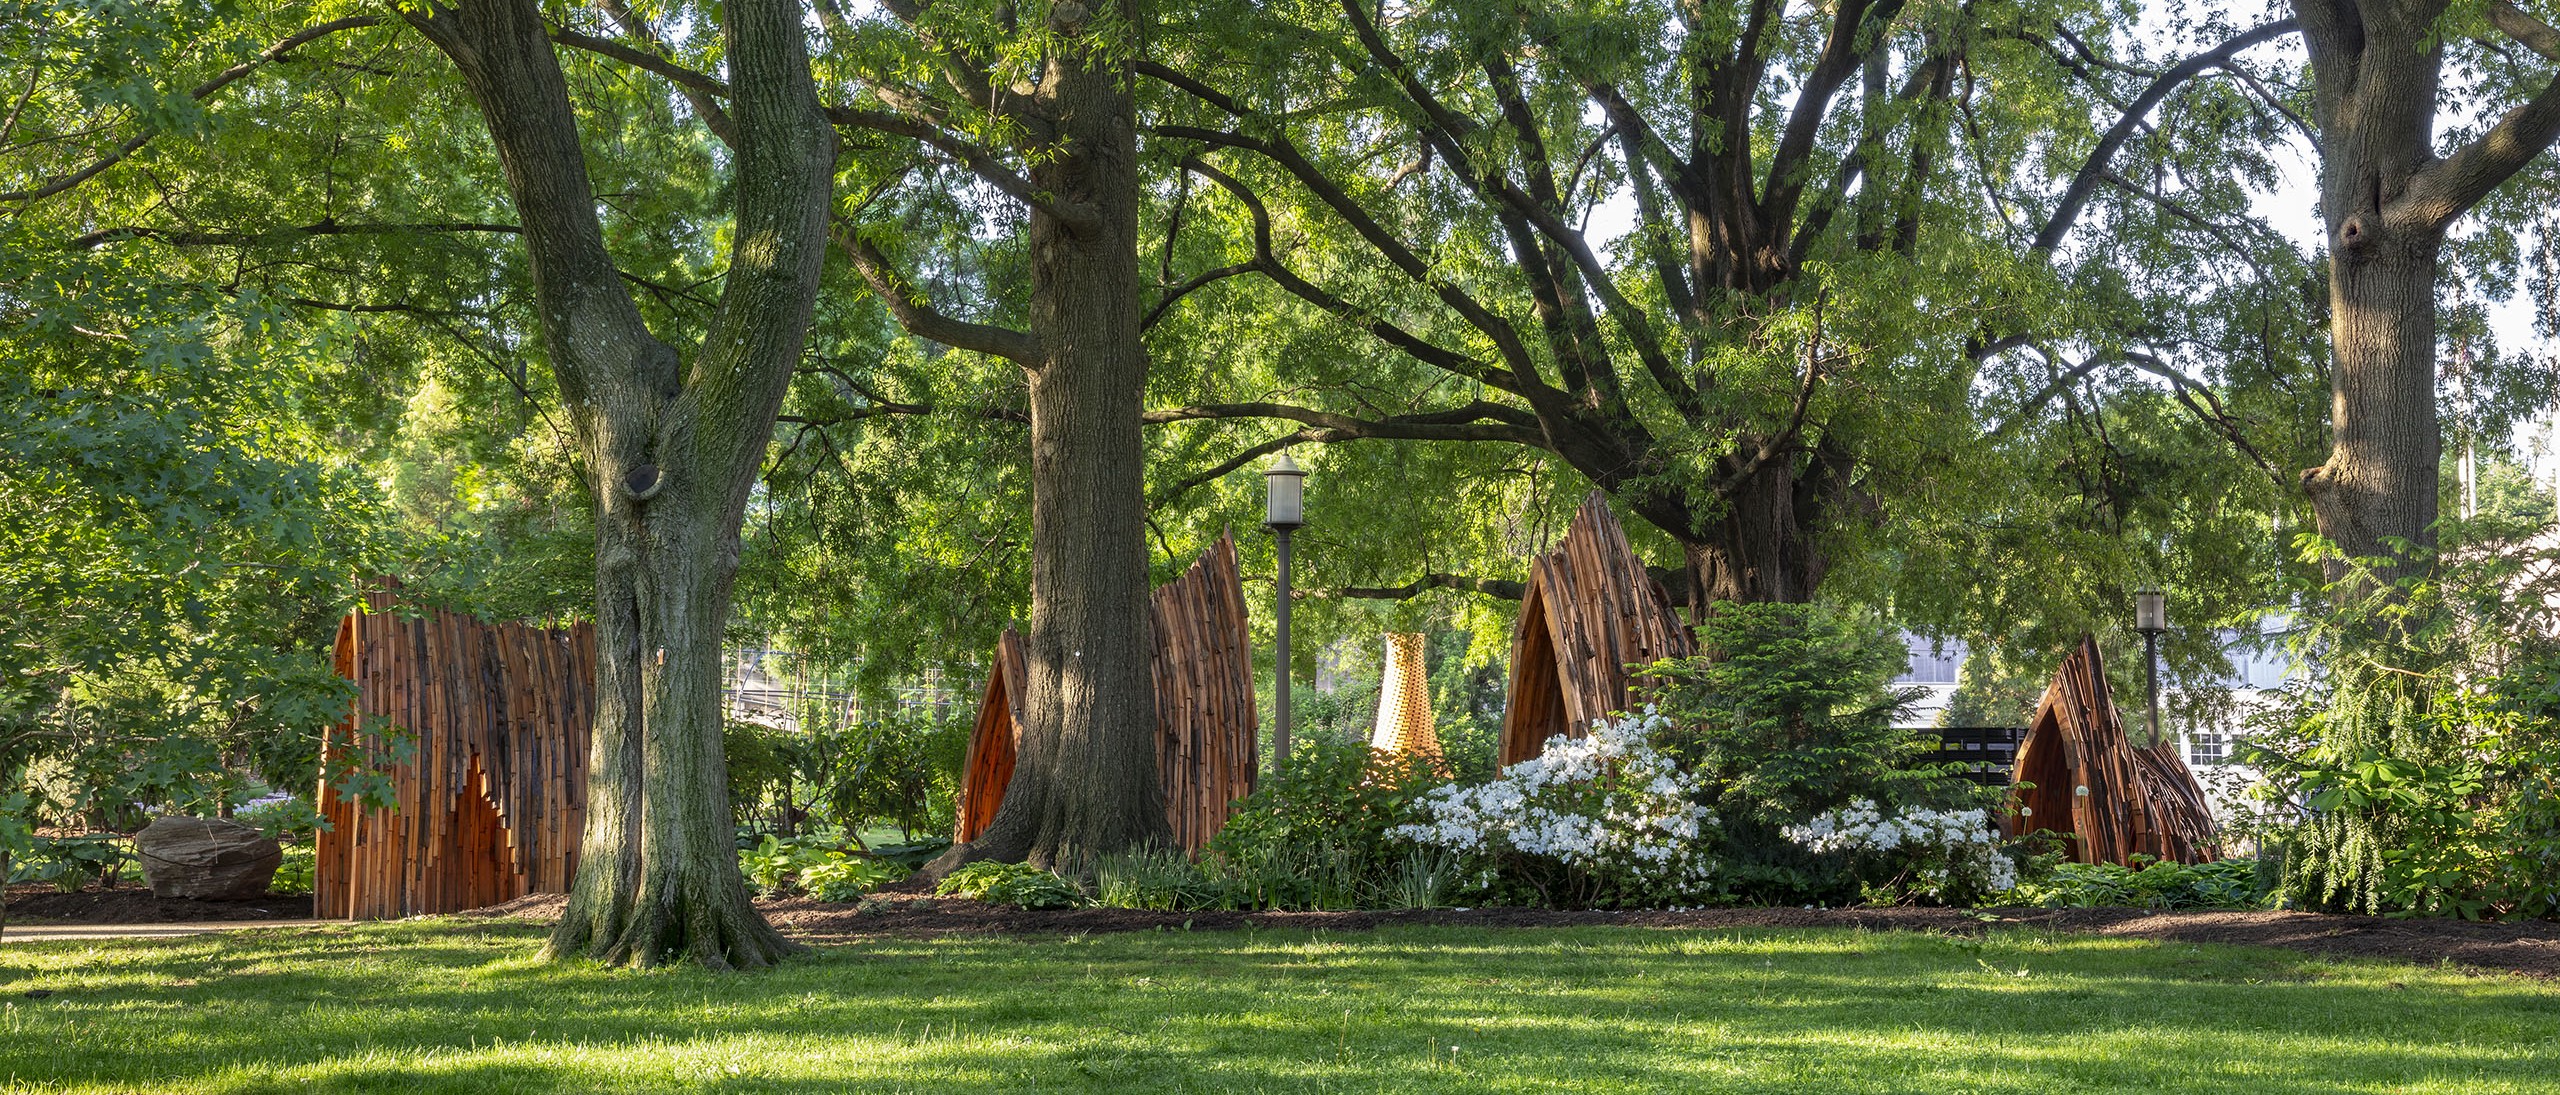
(1589, 611)
(989, 767)
(1404, 725)
(1202, 654)
(2090, 782)
(1206, 747)
(482, 730)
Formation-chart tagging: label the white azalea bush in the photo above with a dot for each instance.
(1945, 855)
(1605, 819)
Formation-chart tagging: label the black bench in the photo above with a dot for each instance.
(1988, 753)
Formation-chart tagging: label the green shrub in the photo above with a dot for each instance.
(841, 877)
(2412, 775)
(815, 866)
(913, 854)
(1316, 834)
(71, 863)
(1160, 880)
(901, 769)
(295, 872)
(769, 864)
(1787, 716)
(2223, 884)
(1018, 884)
(1426, 878)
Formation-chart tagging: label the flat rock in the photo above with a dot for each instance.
(206, 859)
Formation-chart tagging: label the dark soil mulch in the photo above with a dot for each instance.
(2530, 947)
(136, 905)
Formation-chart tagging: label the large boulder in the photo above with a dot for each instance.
(206, 859)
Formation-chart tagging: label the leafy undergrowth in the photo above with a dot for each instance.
(466, 1007)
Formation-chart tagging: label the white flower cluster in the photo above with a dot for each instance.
(1609, 802)
(1962, 841)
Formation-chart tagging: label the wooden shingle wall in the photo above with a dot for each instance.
(482, 730)
(2088, 781)
(1589, 611)
(1201, 656)
(989, 767)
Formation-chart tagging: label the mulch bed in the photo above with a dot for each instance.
(2528, 947)
(135, 905)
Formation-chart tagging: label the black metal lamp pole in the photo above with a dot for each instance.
(2151, 617)
(1283, 511)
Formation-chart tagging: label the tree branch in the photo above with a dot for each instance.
(2092, 171)
(1502, 588)
(1477, 421)
(184, 238)
(1268, 261)
(2446, 189)
(907, 306)
(1195, 281)
(221, 80)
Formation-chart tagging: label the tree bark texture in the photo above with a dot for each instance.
(2387, 200)
(2376, 90)
(1085, 782)
(671, 449)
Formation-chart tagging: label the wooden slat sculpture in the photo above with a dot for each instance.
(1404, 705)
(489, 786)
(989, 767)
(1202, 654)
(1202, 659)
(2090, 782)
(1590, 610)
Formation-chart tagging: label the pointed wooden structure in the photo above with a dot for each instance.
(989, 767)
(1589, 611)
(482, 730)
(1201, 657)
(1404, 726)
(2091, 782)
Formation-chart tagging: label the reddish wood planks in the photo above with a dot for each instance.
(1201, 656)
(2089, 782)
(1590, 610)
(482, 730)
(989, 767)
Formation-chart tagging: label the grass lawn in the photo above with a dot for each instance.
(452, 1006)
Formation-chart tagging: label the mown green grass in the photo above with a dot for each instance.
(453, 1006)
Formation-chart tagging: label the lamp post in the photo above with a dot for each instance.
(1283, 511)
(2151, 617)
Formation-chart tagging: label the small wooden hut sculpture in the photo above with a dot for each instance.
(1202, 659)
(1590, 610)
(490, 801)
(1404, 705)
(2089, 781)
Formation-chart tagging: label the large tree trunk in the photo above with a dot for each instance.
(1085, 782)
(2381, 479)
(2375, 79)
(672, 453)
(1761, 549)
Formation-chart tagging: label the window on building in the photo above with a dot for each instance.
(1932, 661)
(2208, 747)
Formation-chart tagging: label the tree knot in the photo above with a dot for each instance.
(643, 482)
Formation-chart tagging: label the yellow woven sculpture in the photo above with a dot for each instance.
(1404, 704)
